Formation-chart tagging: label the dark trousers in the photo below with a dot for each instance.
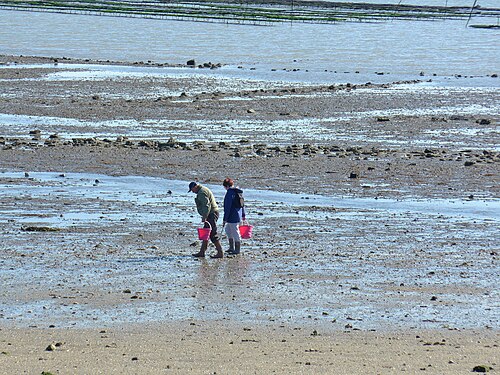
(212, 219)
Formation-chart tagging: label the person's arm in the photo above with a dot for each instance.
(203, 205)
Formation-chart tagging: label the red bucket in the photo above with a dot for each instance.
(204, 233)
(246, 230)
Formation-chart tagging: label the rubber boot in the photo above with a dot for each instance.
(203, 249)
(218, 247)
(237, 247)
(231, 246)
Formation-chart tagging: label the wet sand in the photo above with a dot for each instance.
(340, 288)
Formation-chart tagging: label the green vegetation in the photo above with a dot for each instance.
(486, 26)
(39, 229)
(252, 11)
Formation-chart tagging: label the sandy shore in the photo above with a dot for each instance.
(339, 289)
(207, 348)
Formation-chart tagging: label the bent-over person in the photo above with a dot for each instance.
(209, 212)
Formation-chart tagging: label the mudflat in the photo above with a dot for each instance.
(374, 206)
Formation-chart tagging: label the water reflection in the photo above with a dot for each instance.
(231, 273)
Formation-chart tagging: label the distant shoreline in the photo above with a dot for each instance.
(265, 12)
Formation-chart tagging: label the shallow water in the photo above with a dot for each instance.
(418, 249)
(285, 132)
(233, 77)
(147, 191)
(311, 54)
(401, 48)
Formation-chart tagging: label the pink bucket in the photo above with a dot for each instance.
(204, 233)
(246, 231)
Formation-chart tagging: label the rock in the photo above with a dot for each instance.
(483, 121)
(191, 62)
(382, 119)
(50, 348)
(458, 118)
(172, 142)
(250, 110)
(481, 368)
(469, 163)
(353, 175)
(39, 229)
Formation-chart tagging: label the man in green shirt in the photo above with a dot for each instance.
(209, 212)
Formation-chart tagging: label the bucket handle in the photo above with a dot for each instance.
(209, 225)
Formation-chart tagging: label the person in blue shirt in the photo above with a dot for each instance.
(234, 213)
